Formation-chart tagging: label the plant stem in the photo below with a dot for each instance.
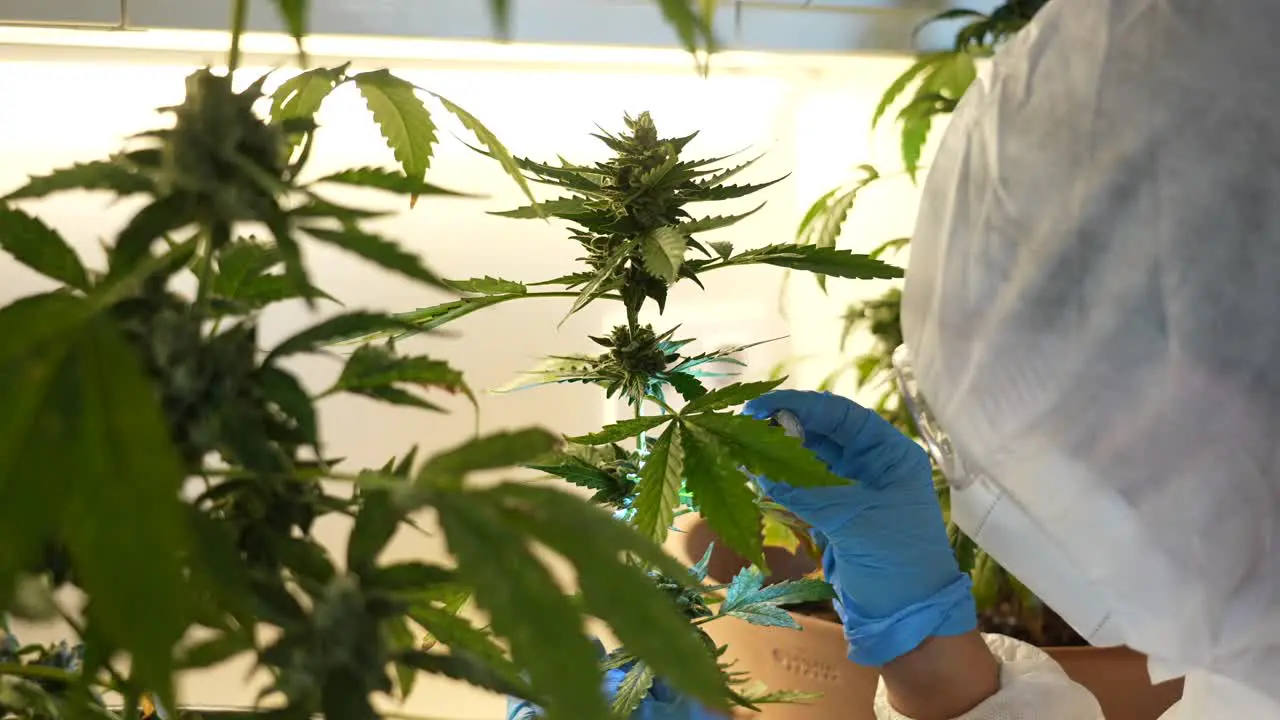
(217, 237)
(239, 18)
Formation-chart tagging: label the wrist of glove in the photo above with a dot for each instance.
(884, 544)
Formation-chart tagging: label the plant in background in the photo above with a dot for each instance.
(633, 217)
(938, 81)
(129, 397)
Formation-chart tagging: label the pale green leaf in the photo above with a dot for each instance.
(488, 285)
(622, 430)
(730, 395)
(663, 251)
(490, 142)
(715, 222)
(335, 328)
(402, 118)
(633, 690)
(388, 180)
(659, 489)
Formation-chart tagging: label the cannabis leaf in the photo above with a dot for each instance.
(40, 248)
(748, 599)
(402, 117)
(659, 489)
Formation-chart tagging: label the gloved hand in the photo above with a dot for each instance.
(883, 540)
(662, 703)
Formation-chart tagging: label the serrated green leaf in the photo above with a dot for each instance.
(101, 175)
(765, 450)
(302, 95)
(889, 246)
(577, 471)
(730, 395)
(633, 690)
(659, 489)
(524, 603)
(916, 123)
(747, 588)
(693, 28)
(488, 285)
(388, 180)
(688, 386)
(333, 329)
(40, 248)
(81, 387)
(496, 149)
(825, 261)
(376, 523)
(566, 207)
(410, 578)
(371, 367)
(604, 277)
(378, 250)
(900, 84)
(429, 318)
(461, 666)
(663, 251)
(402, 118)
(490, 452)
(715, 222)
(620, 593)
(621, 430)
(460, 636)
(721, 494)
(758, 694)
(151, 223)
(780, 534)
(723, 249)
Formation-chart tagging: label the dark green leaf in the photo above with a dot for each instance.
(622, 430)
(336, 328)
(372, 367)
(633, 690)
(376, 523)
(389, 180)
(730, 395)
(490, 452)
(721, 494)
(825, 261)
(466, 668)
(488, 286)
(102, 175)
(495, 148)
(83, 389)
(620, 593)
(766, 450)
(525, 605)
(286, 392)
(213, 651)
(402, 117)
(715, 222)
(566, 207)
(396, 396)
(659, 489)
(377, 250)
(40, 248)
(663, 251)
(686, 384)
(412, 578)
(693, 28)
(153, 222)
(461, 637)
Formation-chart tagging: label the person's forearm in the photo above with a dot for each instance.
(943, 678)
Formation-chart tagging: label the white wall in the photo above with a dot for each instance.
(812, 121)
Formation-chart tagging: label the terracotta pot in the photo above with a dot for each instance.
(814, 659)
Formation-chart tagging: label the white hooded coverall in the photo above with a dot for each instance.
(1093, 310)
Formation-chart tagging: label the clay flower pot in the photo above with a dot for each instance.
(815, 660)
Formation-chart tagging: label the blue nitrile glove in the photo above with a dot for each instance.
(662, 703)
(883, 540)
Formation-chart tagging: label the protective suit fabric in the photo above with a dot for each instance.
(1032, 687)
(1091, 310)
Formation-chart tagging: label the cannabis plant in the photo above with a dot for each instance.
(162, 461)
(632, 217)
(939, 79)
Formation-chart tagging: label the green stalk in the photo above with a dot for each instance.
(239, 18)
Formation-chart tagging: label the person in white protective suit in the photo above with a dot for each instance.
(1092, 352)
(1091, 319)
